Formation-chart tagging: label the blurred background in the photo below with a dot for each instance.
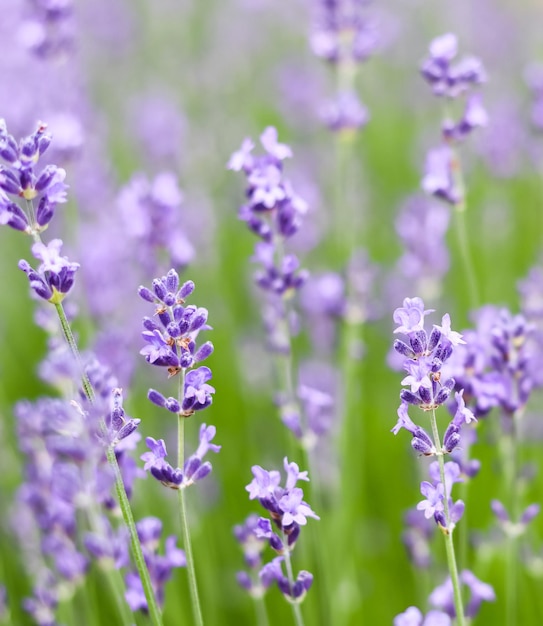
(146, 102)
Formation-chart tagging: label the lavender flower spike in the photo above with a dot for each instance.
(194, 469)
(55, 276)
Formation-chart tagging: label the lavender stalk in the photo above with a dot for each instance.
(424, 358)
(56, 275)
(193, 585)
(443, 177)
(171, 344)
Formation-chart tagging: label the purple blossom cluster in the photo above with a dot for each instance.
(345, 37)
(273, 212)
(194, 469)
(436, 493)
(498, 366)
(172, 345)
(67, 475)
(288, 513)
(421, 217)
(55, 275)
(452, 80)
(424, 358)
(19, 180)
(442, 600)
(49, 29)
(160, 566)
(150, 211)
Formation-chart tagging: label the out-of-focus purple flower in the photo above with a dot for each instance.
(160, 566)
(49, 32)
(342, 33)
(413, 617)
(442, 597)
(158, 126)
(511, 528)
(55, 276)
(499, 366)
(439, 179)
(474, 116)
(42, 605)
(345, 113)
(416, 538)
(273, 212)
(448, 79)
(422, 225)
(253, 548)
(534, 79)
(151, 212)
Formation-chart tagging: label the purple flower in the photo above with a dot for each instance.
(421, 219)
(410, 317)
(119, 425)
(18, 179)
(474, 116)
(294, 509)
(447, 79)
(442, 597)
(413, 617)
(151, 215)
(55, 276)
(160, 566)
(269, 142)
(197, 393)
(345, 113)
(172, 344)
(285, 504)
(264, 483)
(342, 33)
(156, 455)
(434, 499)
(193, 470)
(242, 159)
(438, 177)
(421, 441)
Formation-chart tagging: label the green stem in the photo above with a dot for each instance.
(113, 574)
(137, 552)
(261, 612)
(447, 533)
(193, 585)
(124, 504)
(296, 608)
(72, 344)
(461, 232)
(510, 469)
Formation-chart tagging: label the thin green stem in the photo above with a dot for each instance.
(193, 585)
(447, 532)
(137, 552)
(124, 503)
(296, 608)
(510, 460)
(461, 232)
(72, 344)
(112, 574)
(261, 612)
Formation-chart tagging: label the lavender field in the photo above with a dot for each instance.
(271, 322)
